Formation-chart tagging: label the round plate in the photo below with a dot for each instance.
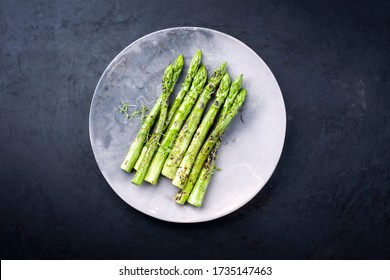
(251, 147)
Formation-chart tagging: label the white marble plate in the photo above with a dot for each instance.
(251, 147)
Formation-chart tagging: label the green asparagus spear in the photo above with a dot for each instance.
(201, 185)
(139, 141)
(184, 138)
(183, 194)
(199, 190)
(185, 87)
(201, 133)
(166, 86)
(175, 125)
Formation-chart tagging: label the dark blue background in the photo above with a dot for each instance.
(329, 197)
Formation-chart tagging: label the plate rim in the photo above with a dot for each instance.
(192, 28)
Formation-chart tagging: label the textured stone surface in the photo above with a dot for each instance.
(329, 197)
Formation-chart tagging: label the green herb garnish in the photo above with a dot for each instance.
(124, 110)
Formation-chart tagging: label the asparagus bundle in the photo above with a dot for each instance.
(173, 130)
(184, 138)
(192, 71)
(175, 125)
(178, 147)
(139, 141)
(185, 107)
(183, 194)
(186, 164)
(199, 190)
